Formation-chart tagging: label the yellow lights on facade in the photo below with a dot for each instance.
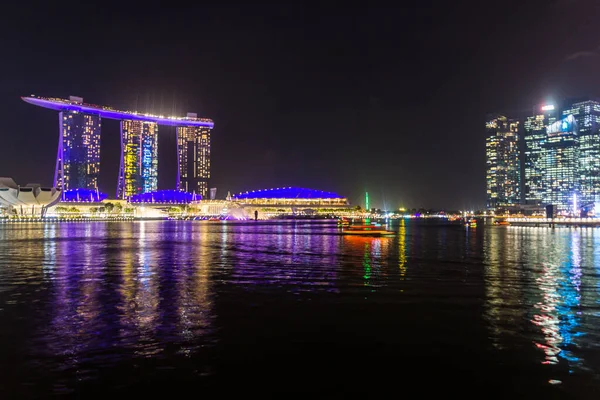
(139, 161)
(193, 150)
(502, 162)
(78, 161)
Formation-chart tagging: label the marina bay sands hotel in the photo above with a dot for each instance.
(78, 159)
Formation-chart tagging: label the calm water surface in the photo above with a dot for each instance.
(96, 309)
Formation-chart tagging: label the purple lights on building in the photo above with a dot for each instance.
(83, 196)
(78, 159)
(287, 193)
(110, 113)
(165, 196)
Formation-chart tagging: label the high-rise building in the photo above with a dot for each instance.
(78, 159)
(503, 164)
(534, 137)
(139, 158)
(193, 151)
(587, 117)
(560, 159)
(560, 153)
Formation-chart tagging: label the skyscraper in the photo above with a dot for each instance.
(560, 153)
(139, 158)
(533, 163)
(587, 117)
(78, 159)
(502, 160)
(193, 152)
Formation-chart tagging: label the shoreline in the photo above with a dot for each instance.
(283, 221)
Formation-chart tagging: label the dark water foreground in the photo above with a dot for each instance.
(209, 310)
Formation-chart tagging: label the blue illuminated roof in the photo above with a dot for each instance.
(287, 193)
(165, 196)
(83, 195)
(111, 113)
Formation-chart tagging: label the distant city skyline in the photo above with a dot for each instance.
(550, 156)
(316, 96)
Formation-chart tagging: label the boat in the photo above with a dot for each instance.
(343, 221)
(367, 230)
(472, 223)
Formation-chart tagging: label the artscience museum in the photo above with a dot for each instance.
(29, 200)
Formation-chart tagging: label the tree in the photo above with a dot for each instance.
(109, 207)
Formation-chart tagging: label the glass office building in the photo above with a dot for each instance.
(503, 169)
(534, 137)
(561, 176)
(587, 117)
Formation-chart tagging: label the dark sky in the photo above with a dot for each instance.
(332, 97)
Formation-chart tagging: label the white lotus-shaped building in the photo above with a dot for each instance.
(28, 200)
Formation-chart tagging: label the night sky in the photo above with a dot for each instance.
(332, 97)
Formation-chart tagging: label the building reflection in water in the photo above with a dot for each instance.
(402, 249)
(505, 285)
(137, 287)
(559, 312)
(375, 260)
(534, 276)
(304, 258)
(139, 306)
(194, 292)
(49, 251)
(296, 256)
(76, 325)
(367, 262)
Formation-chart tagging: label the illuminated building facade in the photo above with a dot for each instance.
(534, 137)
(503, 170)
(83, 196)
(78, 161)
(78, 158)
(30, 200)
(291, 196)
(587, 117)
(193, 156)
(560, 159)
(164, 197)
(560, 152)
(139, 158)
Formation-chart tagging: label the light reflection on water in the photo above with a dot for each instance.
(76, 298)
(540, 286)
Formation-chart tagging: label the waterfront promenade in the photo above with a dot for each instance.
(557, 222)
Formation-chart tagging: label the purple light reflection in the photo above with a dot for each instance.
(292, 256)
(150, 292)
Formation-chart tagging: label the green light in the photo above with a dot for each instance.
(367, 264)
